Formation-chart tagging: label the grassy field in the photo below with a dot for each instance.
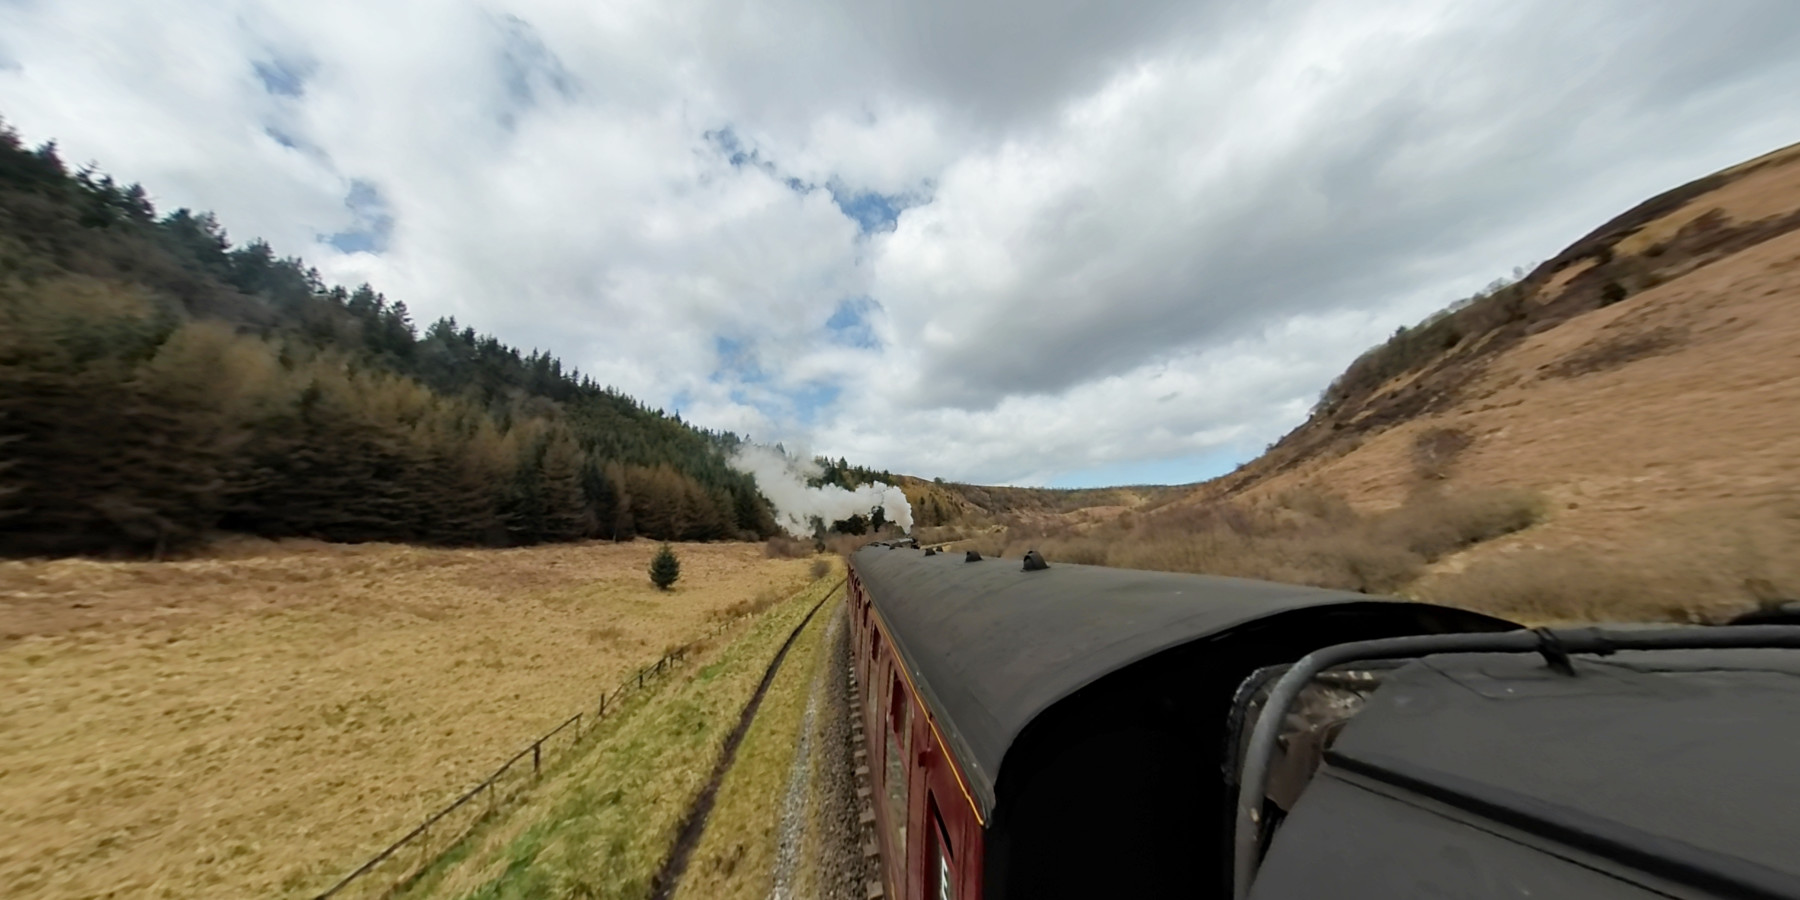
(257, 721)
(602, 823)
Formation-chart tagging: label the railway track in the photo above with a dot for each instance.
(694, 824)
(825, 846)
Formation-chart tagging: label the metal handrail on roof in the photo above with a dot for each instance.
(1556, 645)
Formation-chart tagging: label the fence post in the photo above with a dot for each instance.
(422, 834)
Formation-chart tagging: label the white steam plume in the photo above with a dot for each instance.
(782, 479)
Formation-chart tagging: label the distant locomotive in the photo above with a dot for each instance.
(1080, 731)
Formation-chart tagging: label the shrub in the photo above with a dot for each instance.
(1602, 355)
(1433, 525)
(782, 546)
(664, 568)
(763, 600)
(1435, 449)
(820, 568)
(1328, 508)
(1703, 565)
(1302, 536)
(846, 544)
(1548, 586)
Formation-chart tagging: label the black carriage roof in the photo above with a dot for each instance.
(990, 646)
(1645, 769)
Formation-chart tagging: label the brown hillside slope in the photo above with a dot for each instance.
(1646, 381)
(939, 503)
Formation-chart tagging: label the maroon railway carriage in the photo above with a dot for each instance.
(1058, 732)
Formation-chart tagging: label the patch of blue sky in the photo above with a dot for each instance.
(737, 363)
(297, 142)
(871, 211)
(281, 137)
(750, 386)
(528, 68)
(849, 323)
(812, 399)
(373, 223)
(728, 144)
(1173, 470)
(281, 77)
(738, 154)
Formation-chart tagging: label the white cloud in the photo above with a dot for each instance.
(1127, 235)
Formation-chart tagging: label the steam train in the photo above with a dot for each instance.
(1078, 731)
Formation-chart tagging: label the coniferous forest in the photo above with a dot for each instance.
(158, 384)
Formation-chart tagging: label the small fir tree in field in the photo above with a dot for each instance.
(664, 568)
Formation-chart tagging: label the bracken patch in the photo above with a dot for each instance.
(1616, 351)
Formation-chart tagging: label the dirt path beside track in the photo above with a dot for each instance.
(834, 867)
(694, 825)
(785, 823)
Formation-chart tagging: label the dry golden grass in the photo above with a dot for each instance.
(1695, 566)
(782, 546)
(1767, 191)
(1665, 421)
(1301, 536)
(258, 721)
(1790, 153)
(601, 825)
(1561, 279)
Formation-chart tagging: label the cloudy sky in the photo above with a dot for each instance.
(1023, 241)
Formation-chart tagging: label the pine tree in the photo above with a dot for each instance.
(664, 568)
(623, 526)
(234, 389)
(565, 506)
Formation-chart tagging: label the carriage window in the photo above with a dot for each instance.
(898, 741)
(943, 880)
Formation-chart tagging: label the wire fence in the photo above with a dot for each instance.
(396, 867)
